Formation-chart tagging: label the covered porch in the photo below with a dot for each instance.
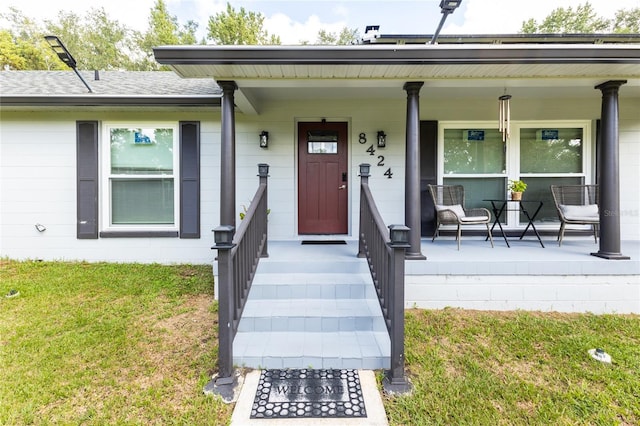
(525, 276)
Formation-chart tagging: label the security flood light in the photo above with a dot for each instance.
(65, 56)
(446, 7)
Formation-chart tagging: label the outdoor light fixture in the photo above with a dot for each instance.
(264, 139)
(449, 5)
(382, 139)
(399, 235)
(65, 56)
(446, 7)
(263, 170)
(364, 169)
(223, 236)
(504, 114)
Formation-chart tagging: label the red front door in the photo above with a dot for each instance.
(322, 178)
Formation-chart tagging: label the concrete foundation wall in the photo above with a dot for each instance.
(561, 293)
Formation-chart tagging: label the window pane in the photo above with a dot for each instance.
(476, 190)
(551, 150)
(322, 142)
(322, 147)
(142, 201)
(538, 190)
(479, 151)
(142, 151)
(322, 136)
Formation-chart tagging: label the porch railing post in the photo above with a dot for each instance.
(223, 236)
(263, 174)
(396, 380)
(364, 180)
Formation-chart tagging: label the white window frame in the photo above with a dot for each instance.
(512, 160)
(106, 177)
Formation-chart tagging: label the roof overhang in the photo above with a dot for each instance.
(280, 71)
(235, 57)
(91, 100)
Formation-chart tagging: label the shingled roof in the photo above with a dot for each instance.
(108, 88)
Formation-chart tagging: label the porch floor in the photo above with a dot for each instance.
(476, 257)
(525, 276)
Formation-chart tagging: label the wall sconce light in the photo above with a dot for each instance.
(382, 139)
(40, 227)
(264, 139)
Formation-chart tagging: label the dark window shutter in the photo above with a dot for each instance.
(87, 179)
(189, 179)
(428, 174)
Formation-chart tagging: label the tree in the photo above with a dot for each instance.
(627, 21)
(164, 29)
(563, 21)
(95, 41)
(584, 20)
(10, 57)
(23, 45)
(346, 36)
(239, 28)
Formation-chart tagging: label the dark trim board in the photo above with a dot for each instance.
(139, 234)
(396, 55)
(323, 242)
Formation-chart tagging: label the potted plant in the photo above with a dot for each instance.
(517, 187)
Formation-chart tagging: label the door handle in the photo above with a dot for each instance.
(342, 187)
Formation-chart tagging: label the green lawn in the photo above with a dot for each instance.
(129, 344)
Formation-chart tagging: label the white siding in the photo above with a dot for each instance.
(38, 185)
(37, 168)
(630, 169)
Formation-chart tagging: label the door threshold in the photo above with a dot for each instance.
(323, 242)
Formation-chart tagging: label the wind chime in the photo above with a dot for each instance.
(504, 124)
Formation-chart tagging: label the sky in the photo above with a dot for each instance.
(298, 21)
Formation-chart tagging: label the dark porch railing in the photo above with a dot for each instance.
(384, 250)
(238, 258)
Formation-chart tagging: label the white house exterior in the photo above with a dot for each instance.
(279, 89)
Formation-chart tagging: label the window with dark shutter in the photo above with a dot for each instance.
(189, 179)
(87, 179)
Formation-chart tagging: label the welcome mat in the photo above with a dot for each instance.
(322, 242)
(308, 393)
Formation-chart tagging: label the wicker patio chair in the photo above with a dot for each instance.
(576, 205)
(450, 210)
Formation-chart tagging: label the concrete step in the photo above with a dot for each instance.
(312, 286)
(353, 349)
(312, 315)
(312, 262)
(312, 306)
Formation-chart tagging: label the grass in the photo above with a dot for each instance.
(476, 367)
(106, 343)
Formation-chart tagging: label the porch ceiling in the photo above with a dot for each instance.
(379, 71)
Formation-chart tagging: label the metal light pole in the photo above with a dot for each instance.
(446, 7)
